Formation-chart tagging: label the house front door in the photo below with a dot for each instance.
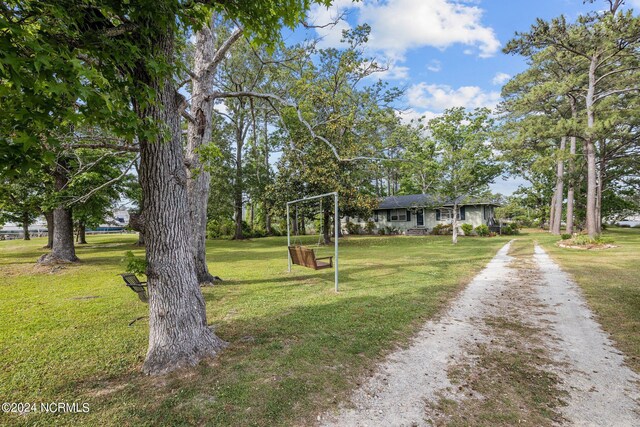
(420, 218)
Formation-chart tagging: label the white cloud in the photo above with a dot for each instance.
(393, 72)
(321, 16)
(400, 25)
(434, 66)
(411, 114)
(440, 97)
(501, 78)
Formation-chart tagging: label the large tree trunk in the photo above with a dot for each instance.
(454, 222)
(199, 134)
(136, 222)
(590, 154)
(599, 190)
(81, 237)
(48, 215)
(178, 332)
(559, 194)
(238, 183)
(252, 216)
(552, 209)
(326, 228)
(572, 154)
(25, 226)
(571, 189)
(62, 249)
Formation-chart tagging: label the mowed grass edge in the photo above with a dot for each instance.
(610, 281)
(295, 347)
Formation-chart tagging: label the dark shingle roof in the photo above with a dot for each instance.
(425, 200)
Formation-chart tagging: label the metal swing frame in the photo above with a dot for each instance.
(336, 226)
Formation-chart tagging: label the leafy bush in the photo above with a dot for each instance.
(382, 232)
(370, 227)
(135, 264)
(217, 229)
(510, 229)
(482, 230)
(353, 228)
(565, 236)
(467, 229)
(391, 230)
(584, 240)
(442, 229)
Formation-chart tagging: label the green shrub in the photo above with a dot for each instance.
(391, 230)
(442, 230)
(482, 230)
(135, 264)
(217, 228)
(584, 240)
(353, 228)
(382, 232)
(467, 229)
(565, 236)
(370, 227)
(510, 229)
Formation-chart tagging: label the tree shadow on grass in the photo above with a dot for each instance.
(277, 368)
(346, 274)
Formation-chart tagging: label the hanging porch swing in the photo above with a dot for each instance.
(305, 256)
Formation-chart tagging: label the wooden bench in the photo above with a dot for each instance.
(136, 286)
(306, 257)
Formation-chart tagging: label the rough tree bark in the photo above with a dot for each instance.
(552, 209)
(237, 196)
(559, 194)
(25, 226)
(136, 222)
(48, 215)
(326, 228)
(178, 332)
(571, 183)
(590, 152)
(454, 222)
(81, 237)
(265, 202)
(602, 167)
(62, 249)
(198, 134)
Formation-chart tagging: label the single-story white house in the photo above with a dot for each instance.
(420, 213)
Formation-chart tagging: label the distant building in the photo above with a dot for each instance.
(117, 221)
(420, 213)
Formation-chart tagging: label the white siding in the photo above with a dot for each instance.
(474, 215)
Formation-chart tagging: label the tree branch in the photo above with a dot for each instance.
(616, 72)
(221, 52)
(216, 95)
(614, 92)
(85, 197)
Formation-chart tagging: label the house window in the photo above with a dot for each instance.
(447, 214)
(375, 216)
(487, 211)
(398, 215)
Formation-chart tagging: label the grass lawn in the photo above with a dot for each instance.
(296, 348)
(610, 280)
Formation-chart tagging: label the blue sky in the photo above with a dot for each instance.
(446, 53)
